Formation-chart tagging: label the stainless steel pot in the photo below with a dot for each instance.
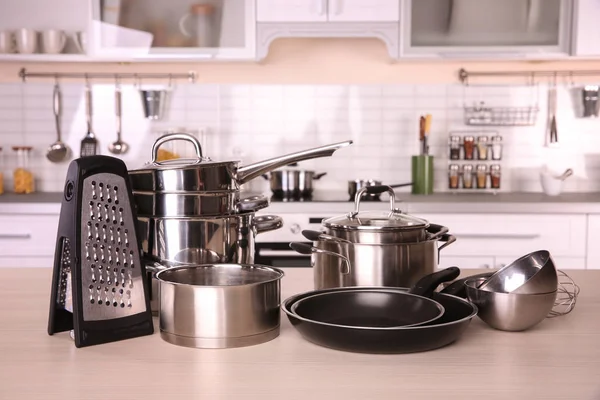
(219, 305)
(395, 265)
(355, 185)
(204, 175)
(201, 240)
(379, 227)
(151, 204)
(292, 183)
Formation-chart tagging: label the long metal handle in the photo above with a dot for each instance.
(251, 171)
(266, 223)
(118, 111)
(175, 136)
(15, 236)
(497, 235)
(88, 106)
(57, 108)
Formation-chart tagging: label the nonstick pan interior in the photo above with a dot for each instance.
(368, 309)
(436, 334)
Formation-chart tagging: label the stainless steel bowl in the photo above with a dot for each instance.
(533, 273)
(509, 311)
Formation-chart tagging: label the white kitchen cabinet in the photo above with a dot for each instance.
(500, 238)
(465, 262)
(327, 10)
(586, 29)
(27, 240)
(593, 247)
(291, 10)
(486, 28)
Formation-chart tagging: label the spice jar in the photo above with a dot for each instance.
(481, 176)
(467, 175)
(1, 171)
(469, 147)
(482, 147)
(22, 176)
(495, 176)
(453, 176)
(454, 147)
(497, 148)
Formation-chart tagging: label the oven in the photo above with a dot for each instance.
(273, 248)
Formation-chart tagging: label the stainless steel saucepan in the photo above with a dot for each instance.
(218, 305)
(201, 174)
(292, 183)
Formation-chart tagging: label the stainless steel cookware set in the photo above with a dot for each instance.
(190, 215)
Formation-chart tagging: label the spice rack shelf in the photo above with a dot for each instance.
(475, 161)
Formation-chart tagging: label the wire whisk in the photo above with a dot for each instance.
(566, 296)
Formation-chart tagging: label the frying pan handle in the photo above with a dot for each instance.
(307, 249)
(319, 176)
(378, 189)
(427, 284)
(457, 288)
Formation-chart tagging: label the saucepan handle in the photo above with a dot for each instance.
(436, 231)
(307, 249)
(266, 223)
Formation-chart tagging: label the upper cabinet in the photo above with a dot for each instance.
(174, 29)
(327, 10)
(486, 28)
(586, 30)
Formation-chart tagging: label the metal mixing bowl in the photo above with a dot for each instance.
(534, 273)
(509, 311)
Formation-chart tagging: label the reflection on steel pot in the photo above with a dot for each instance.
(292, 183)
(204, 175)
(219, 305)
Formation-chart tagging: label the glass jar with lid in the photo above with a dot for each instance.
(497, 147)
(454, 147)
(469, 147)
(467, 176)
(495, 176)
(482, 147)
(23, 179)
(482, 176)
(453, 176)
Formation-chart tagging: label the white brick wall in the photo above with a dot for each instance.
(252, 122)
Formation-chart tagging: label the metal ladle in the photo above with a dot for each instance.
(58, 151)
(119, 146)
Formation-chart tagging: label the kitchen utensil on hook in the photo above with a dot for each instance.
(553, 129)
(58, 151)
(119, 146)
(89, 144)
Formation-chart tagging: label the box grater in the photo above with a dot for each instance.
(98, 287)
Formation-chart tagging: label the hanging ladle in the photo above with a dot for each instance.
(119, 146)
(58, 151)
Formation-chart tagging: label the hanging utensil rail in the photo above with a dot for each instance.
(464, 75)
(23, 74)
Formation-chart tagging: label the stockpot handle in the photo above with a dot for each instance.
(266, 223)
(175, 136)
(307, 249)
(374, 190)
(448, 239)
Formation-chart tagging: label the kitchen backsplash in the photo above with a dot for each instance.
(253, 122)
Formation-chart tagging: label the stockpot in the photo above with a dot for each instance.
(380, 227)
(201, 174)
(218, 305)
(201, 240)
(393, 265)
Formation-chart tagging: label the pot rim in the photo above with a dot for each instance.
(280, 274)
(420, 243)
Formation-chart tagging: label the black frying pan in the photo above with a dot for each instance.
(439, 333)
(376, 309)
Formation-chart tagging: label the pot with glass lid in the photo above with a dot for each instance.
(374, 248)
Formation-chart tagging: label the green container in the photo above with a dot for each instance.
(422, 174)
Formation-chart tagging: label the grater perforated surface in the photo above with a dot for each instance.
(64, 297)
(111, 276)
